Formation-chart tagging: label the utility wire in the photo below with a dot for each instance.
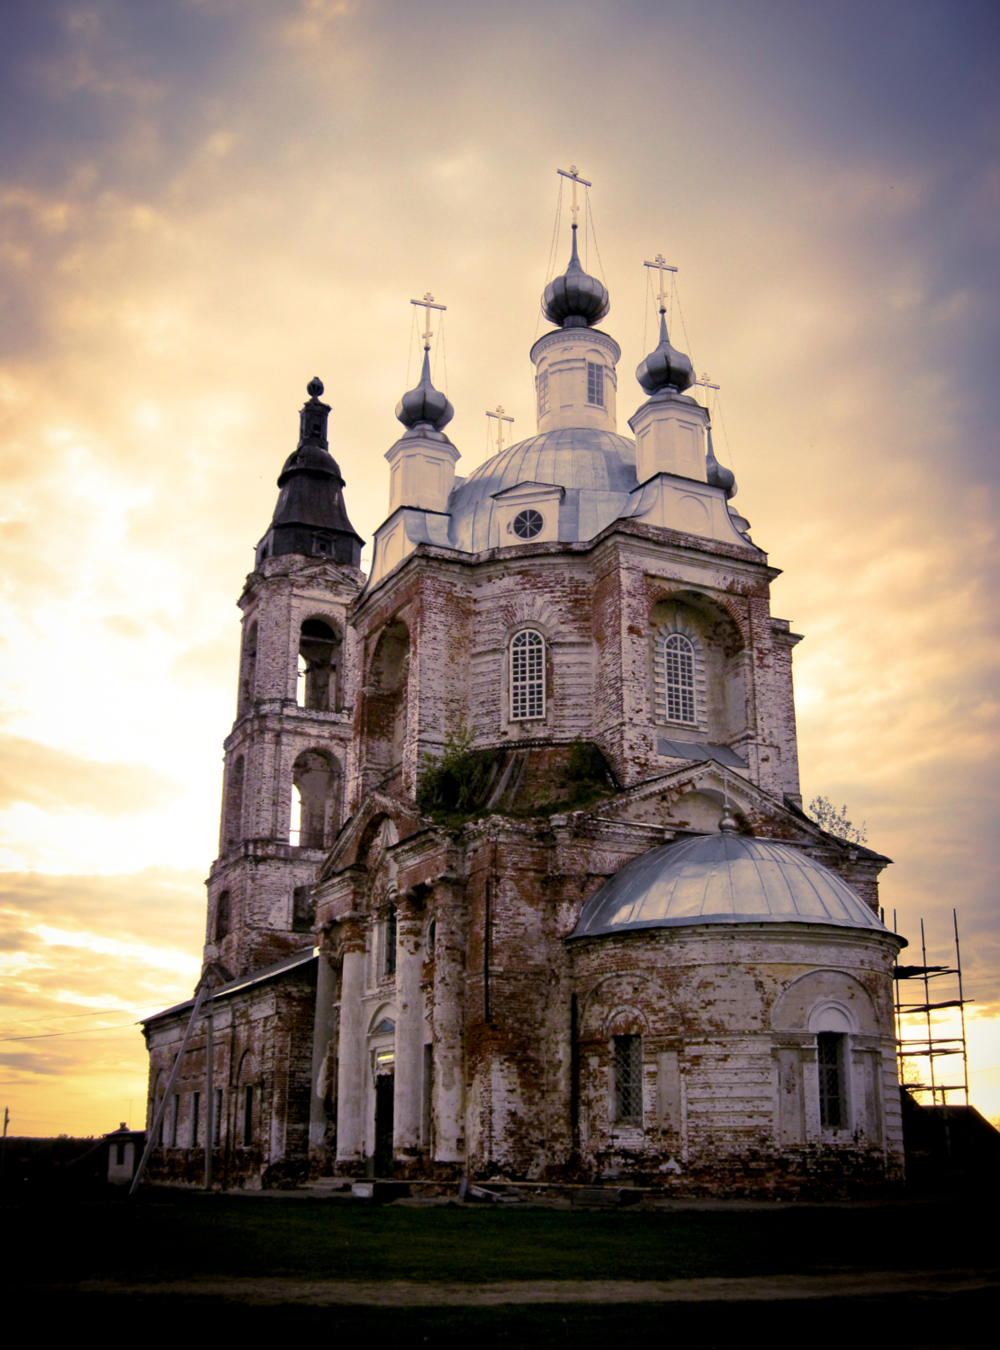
(594, 229)
(83, 1031)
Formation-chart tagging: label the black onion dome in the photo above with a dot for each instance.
(666, 367)
(425, 404)
(575, 300)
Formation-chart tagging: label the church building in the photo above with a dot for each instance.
(514, 879)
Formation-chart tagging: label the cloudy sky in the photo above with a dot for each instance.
(206, 202)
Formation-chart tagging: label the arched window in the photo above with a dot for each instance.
(249, 679)
(542, 385)
(595, 383)
(674, 678)
(319, 651)
(315, 813)
(389, 930)
(222, 915)
(628, 1077)
(385, 715)
(830, 1061)
(527, 676)
(234, 802)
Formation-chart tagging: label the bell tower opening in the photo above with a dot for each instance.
(318, 686)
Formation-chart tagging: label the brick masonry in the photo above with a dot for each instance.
(449, 1024)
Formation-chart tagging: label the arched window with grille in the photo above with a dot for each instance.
(527, 676)
(674, 678)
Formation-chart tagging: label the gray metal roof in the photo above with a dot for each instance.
(236, 986)
(723, 878)
(597, 469)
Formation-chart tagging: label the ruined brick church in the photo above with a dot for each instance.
(514, 878)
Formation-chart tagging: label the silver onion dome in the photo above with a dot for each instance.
(424, 405)
(666, 367)
(717, 474)
(723, 878)
(575, 300)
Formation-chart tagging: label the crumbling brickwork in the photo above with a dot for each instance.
(434, 772)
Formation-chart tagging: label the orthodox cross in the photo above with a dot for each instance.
(573, 175)
(661, 266)
(704, 383)
(428, 304)
(501, 418)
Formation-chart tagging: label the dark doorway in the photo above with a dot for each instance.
(383, 1124)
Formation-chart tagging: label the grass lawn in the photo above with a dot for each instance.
(167, 1235)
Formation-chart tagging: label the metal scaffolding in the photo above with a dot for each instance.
(932, 1046)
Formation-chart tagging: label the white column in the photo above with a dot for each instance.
(351, 1047)
(326, 996)
(409, 1029)
(448, 1102)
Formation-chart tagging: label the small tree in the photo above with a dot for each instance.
(826, 815)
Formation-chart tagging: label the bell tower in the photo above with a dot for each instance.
(286, 756)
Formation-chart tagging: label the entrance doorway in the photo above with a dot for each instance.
(384, 1095)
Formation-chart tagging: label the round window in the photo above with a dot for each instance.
(528, 523)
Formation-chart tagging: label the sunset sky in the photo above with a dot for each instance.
(206, 202)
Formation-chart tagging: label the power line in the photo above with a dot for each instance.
(84, 1031)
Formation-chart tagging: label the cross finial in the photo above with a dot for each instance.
(427, 303)
(572, 173)
(501, 417)
(661, 265)
(705, 383)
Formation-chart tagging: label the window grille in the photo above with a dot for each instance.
(248, 1115)
(527, 676)
(628, 1078)
(542, 385)
(675, 693)
(595, 383)
(832, 1087)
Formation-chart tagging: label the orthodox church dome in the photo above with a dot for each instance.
(424, 405)
(723, 878)
(596, 469)
(665, 367)
(575, 300)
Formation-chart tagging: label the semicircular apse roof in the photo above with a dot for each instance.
(596, 469)
(722, 878)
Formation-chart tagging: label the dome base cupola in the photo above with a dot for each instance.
(310, 517)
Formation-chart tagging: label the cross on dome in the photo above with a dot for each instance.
(573, 174)
(661, 265)
(427, 304)
(501, 417)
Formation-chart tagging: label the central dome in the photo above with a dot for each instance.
(723, 878)
(596, 468)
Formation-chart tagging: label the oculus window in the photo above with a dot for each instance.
(528, 523)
